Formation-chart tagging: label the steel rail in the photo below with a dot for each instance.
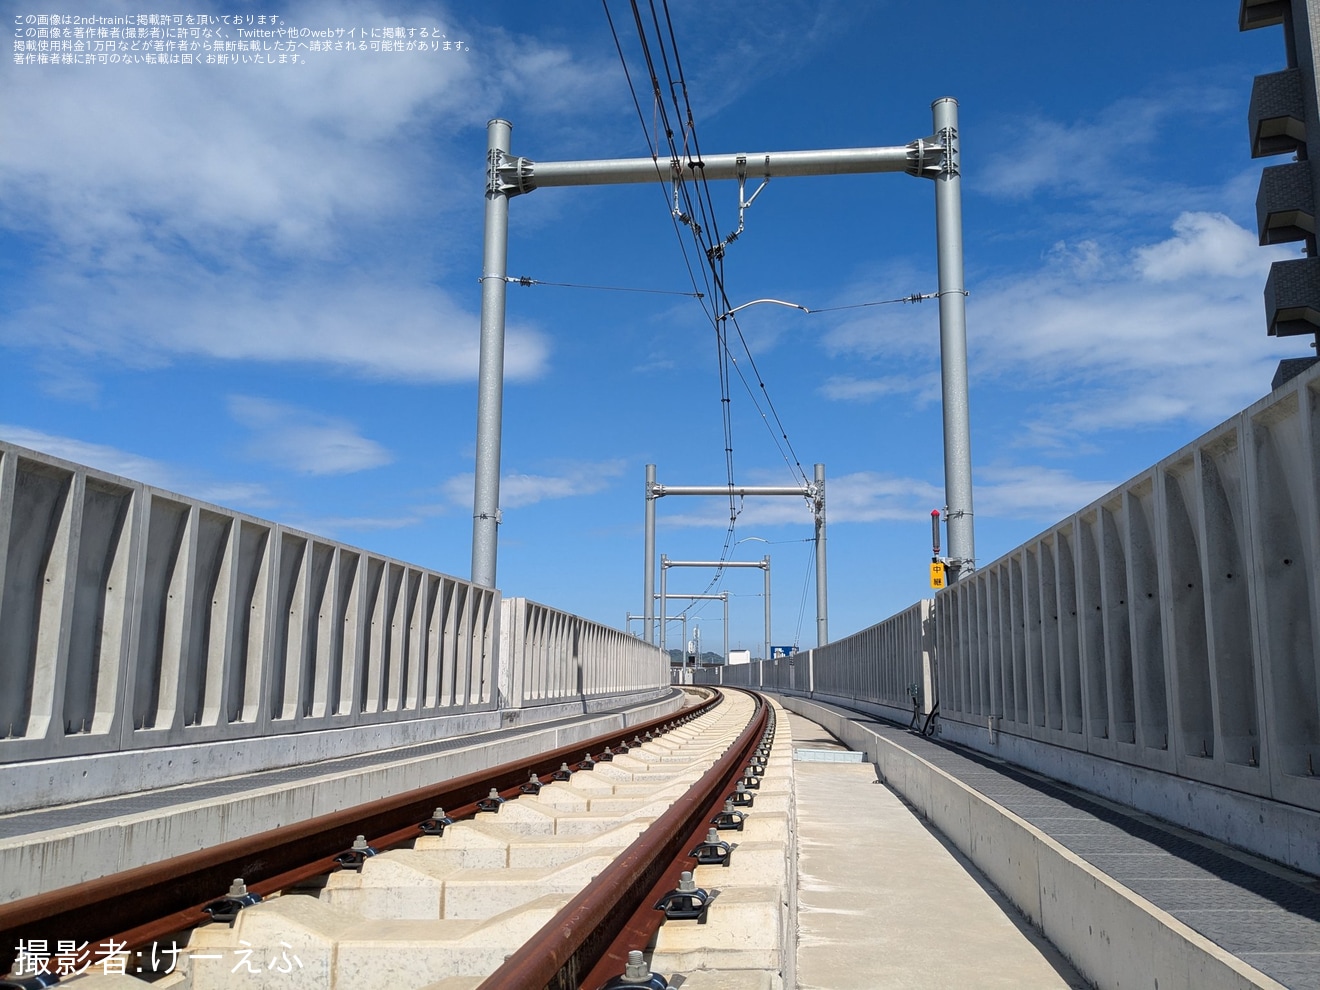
(149, 903)
(589, 939)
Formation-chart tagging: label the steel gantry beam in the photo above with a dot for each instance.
(666, 563)
(723, 596)
(814, 493)
(936, 157)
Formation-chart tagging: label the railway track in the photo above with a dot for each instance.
(536, 874)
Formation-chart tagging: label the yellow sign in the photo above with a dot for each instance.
(936, 574)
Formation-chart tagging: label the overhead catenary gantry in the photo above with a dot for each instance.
(936, 157)
(664, 596)
(723, 596)
(814, 493)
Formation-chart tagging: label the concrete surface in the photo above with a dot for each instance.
(885, 902)
(1060, 867)
(747, 942)
(57, 847)
(449, 910)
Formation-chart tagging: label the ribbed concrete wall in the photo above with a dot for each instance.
(1160, 647)
(552, 656)
(1171, 624)
(132, 617)
(885, 664)
(882, 665)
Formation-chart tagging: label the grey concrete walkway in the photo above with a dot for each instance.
(1265, 914)
(885, 902)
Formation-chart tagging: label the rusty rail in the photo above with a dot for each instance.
(588, 940)
(152, 902)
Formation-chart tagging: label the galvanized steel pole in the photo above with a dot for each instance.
(822, 593)
(953, 341)
(664, 571)
(715, 563)
(752, 165)
(490, 373)
(725, 596)
(662, 490)
(648, 557)
(767, 608)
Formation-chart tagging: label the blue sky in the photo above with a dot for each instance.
(258, 285)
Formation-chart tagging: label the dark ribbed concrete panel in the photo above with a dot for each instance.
(1276, 118)
(1292, 297)
(1285, 204)
(1261, 13)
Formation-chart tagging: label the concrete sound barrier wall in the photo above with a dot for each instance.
(1160, 647)
(137, 620)
(1172, 625)
(548, 656)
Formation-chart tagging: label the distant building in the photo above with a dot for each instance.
(739, 656)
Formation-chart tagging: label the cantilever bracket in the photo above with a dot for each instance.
(937, 155)
(509, 174)
(743, 202)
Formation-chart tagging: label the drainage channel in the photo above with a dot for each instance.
(471, 887)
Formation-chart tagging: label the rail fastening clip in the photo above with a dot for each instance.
(227, 908)
(357, 855)
(729, 819)
(637, 974)
(436, 824)
(713, 851)
(687, 901)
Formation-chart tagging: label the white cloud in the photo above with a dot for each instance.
(890, 332)
(1113, 155)
(1083, 259)
(869, 496)
(367, 329)
(1170, 331)
(1027, 491)
(135, 467)
(572, 479)
(1048, 153)
(925, 388)
(725, 51)
(1031, 491)
(215, 212)
(304, 441)
(289, 154)
(1175, 332)
(1203, 245)
(864, 496)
